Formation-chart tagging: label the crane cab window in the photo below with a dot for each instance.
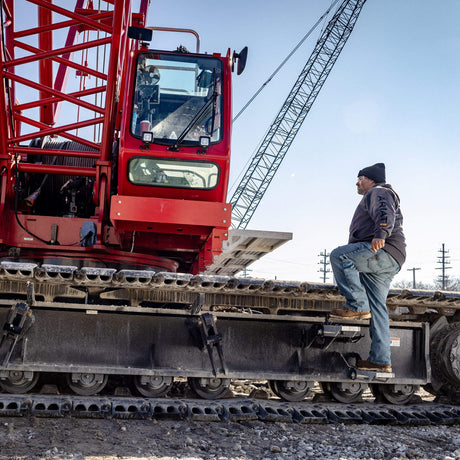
(177, 95)
(173, 173)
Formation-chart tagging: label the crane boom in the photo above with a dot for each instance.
(283, 130)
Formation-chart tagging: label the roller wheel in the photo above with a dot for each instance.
(19, 381)
(209, 388)
(345, 392)
(86, 384)
(152, 386)
(291, 390)
(394, 394)
(273, 388)
(325, 387)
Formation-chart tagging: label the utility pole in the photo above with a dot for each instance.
(324, 262)
(413, 275)
(443, 278)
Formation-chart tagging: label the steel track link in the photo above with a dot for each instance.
(235, 410)
(134, 286)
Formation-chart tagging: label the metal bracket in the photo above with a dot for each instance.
(366, 376)
(198, 303)
(327, 334)
(54, 230)
(20, 319)
(212, 340)
(370, 376)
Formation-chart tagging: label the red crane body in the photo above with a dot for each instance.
(65, 196)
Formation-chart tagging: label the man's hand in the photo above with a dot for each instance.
(377, 243)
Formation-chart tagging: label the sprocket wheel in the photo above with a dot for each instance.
(445, 361)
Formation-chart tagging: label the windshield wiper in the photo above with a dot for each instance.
(198, 118)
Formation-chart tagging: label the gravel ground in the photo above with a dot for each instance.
(73, 438)
(104, 439)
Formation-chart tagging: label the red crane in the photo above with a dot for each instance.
(106, 183)
(91, 190)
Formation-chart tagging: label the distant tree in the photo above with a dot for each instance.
(452, 284)
(404, 284)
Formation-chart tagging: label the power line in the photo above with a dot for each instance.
(284, 61)
(277, 141)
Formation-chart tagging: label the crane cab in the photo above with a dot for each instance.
(174, 156)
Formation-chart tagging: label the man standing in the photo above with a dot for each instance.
(365, 267)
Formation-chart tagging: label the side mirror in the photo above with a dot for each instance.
(242, 56)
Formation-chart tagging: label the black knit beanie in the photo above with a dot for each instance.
(375, 172)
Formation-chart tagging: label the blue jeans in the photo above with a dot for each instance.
(364, 279)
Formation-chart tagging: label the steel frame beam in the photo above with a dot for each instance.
(169, 343)
(16, 125)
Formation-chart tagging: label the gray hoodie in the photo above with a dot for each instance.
(378, 215)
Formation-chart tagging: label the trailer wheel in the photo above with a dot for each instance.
(19, 381)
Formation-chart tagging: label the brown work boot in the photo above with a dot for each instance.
(346, 313)
(366, 365)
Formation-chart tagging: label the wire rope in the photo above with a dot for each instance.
(323, 16)
(285, 60)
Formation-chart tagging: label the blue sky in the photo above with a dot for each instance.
(392, 97)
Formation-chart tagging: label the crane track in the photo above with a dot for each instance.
(226, 410)
(102, 297)
(144, 287)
